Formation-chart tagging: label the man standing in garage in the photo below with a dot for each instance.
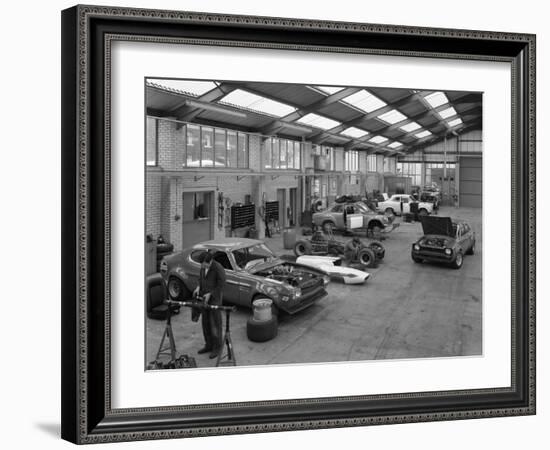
(211, 284)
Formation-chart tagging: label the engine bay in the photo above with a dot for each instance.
(435, 242)
(289, 274)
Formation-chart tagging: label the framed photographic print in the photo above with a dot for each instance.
(281, 224)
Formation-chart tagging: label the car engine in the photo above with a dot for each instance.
(289, 274)
(434, 242)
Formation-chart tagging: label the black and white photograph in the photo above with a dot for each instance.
(303, 223)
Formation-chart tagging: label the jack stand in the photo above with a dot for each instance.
(229, 357)
(170, 349)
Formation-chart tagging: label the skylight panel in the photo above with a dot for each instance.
(329, 89)
(318, 121)
(378, 139)
(254, 102)
(392, 117)
(455, 122)
(196, 88)
(365, 101)
(354, 132)
(423, 134)
(448, 112)
(395, 144)
(410, 127)
(436, 99)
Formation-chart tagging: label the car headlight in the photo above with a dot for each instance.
(448, 251)
(416, 247)
(285, 298)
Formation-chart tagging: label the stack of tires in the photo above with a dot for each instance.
(163, 249)
(263, 324)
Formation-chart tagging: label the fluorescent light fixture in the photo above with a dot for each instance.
(392, 117)
(318, 121)
(448, 112)
(354, 132)
(395, 144)
(254, 102)
(329, 89)
(423, 134)
(455, 122)
(364, 101)
(410, 127)
(196, 88)
(378, 139)
(436, 99)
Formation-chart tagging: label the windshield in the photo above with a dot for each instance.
(250, 256)
(363, 208)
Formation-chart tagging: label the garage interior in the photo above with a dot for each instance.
(223, 157)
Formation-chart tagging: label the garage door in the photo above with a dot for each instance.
(470, 182)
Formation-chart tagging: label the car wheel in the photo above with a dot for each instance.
(416, 259)
(472, 249)
(302, 248)
(367, 257)
(261, 331)
(423, 212)
(328, 227)
(389, 212)
(457, 263)
(378, 249)
(177, 290)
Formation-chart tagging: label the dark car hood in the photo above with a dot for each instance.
(442, 226)
(278, 262)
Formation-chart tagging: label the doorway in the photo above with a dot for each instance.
(197, 217)
(281, 198)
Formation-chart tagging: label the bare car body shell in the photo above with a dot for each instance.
(334, 217)
(292, 287)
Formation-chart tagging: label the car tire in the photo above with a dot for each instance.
(422, 212)
(261, 330)
(367, 257)
(389, 212)
(302, 247)
(328, 227)
(177, 290)
(416, 259)
(378, 249)
(472, 249)
(459, 260)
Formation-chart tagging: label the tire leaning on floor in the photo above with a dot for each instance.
(261, 330)
(367, 257)
(378, 249)
(302, 247)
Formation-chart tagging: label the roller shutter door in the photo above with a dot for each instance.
(470, 182)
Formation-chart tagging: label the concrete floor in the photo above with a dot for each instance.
(404, 310)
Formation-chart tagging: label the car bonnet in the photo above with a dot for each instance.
(437, 225)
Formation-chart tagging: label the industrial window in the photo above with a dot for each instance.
(389, 164)
(351, 161)
(242, 157)
(331, 160)
(411, 170)
(207, 139)
(281, 154)
(232, 149)
(152, 142)
(193, 146)
(220, 147)
(371, 163)
(202, 146)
